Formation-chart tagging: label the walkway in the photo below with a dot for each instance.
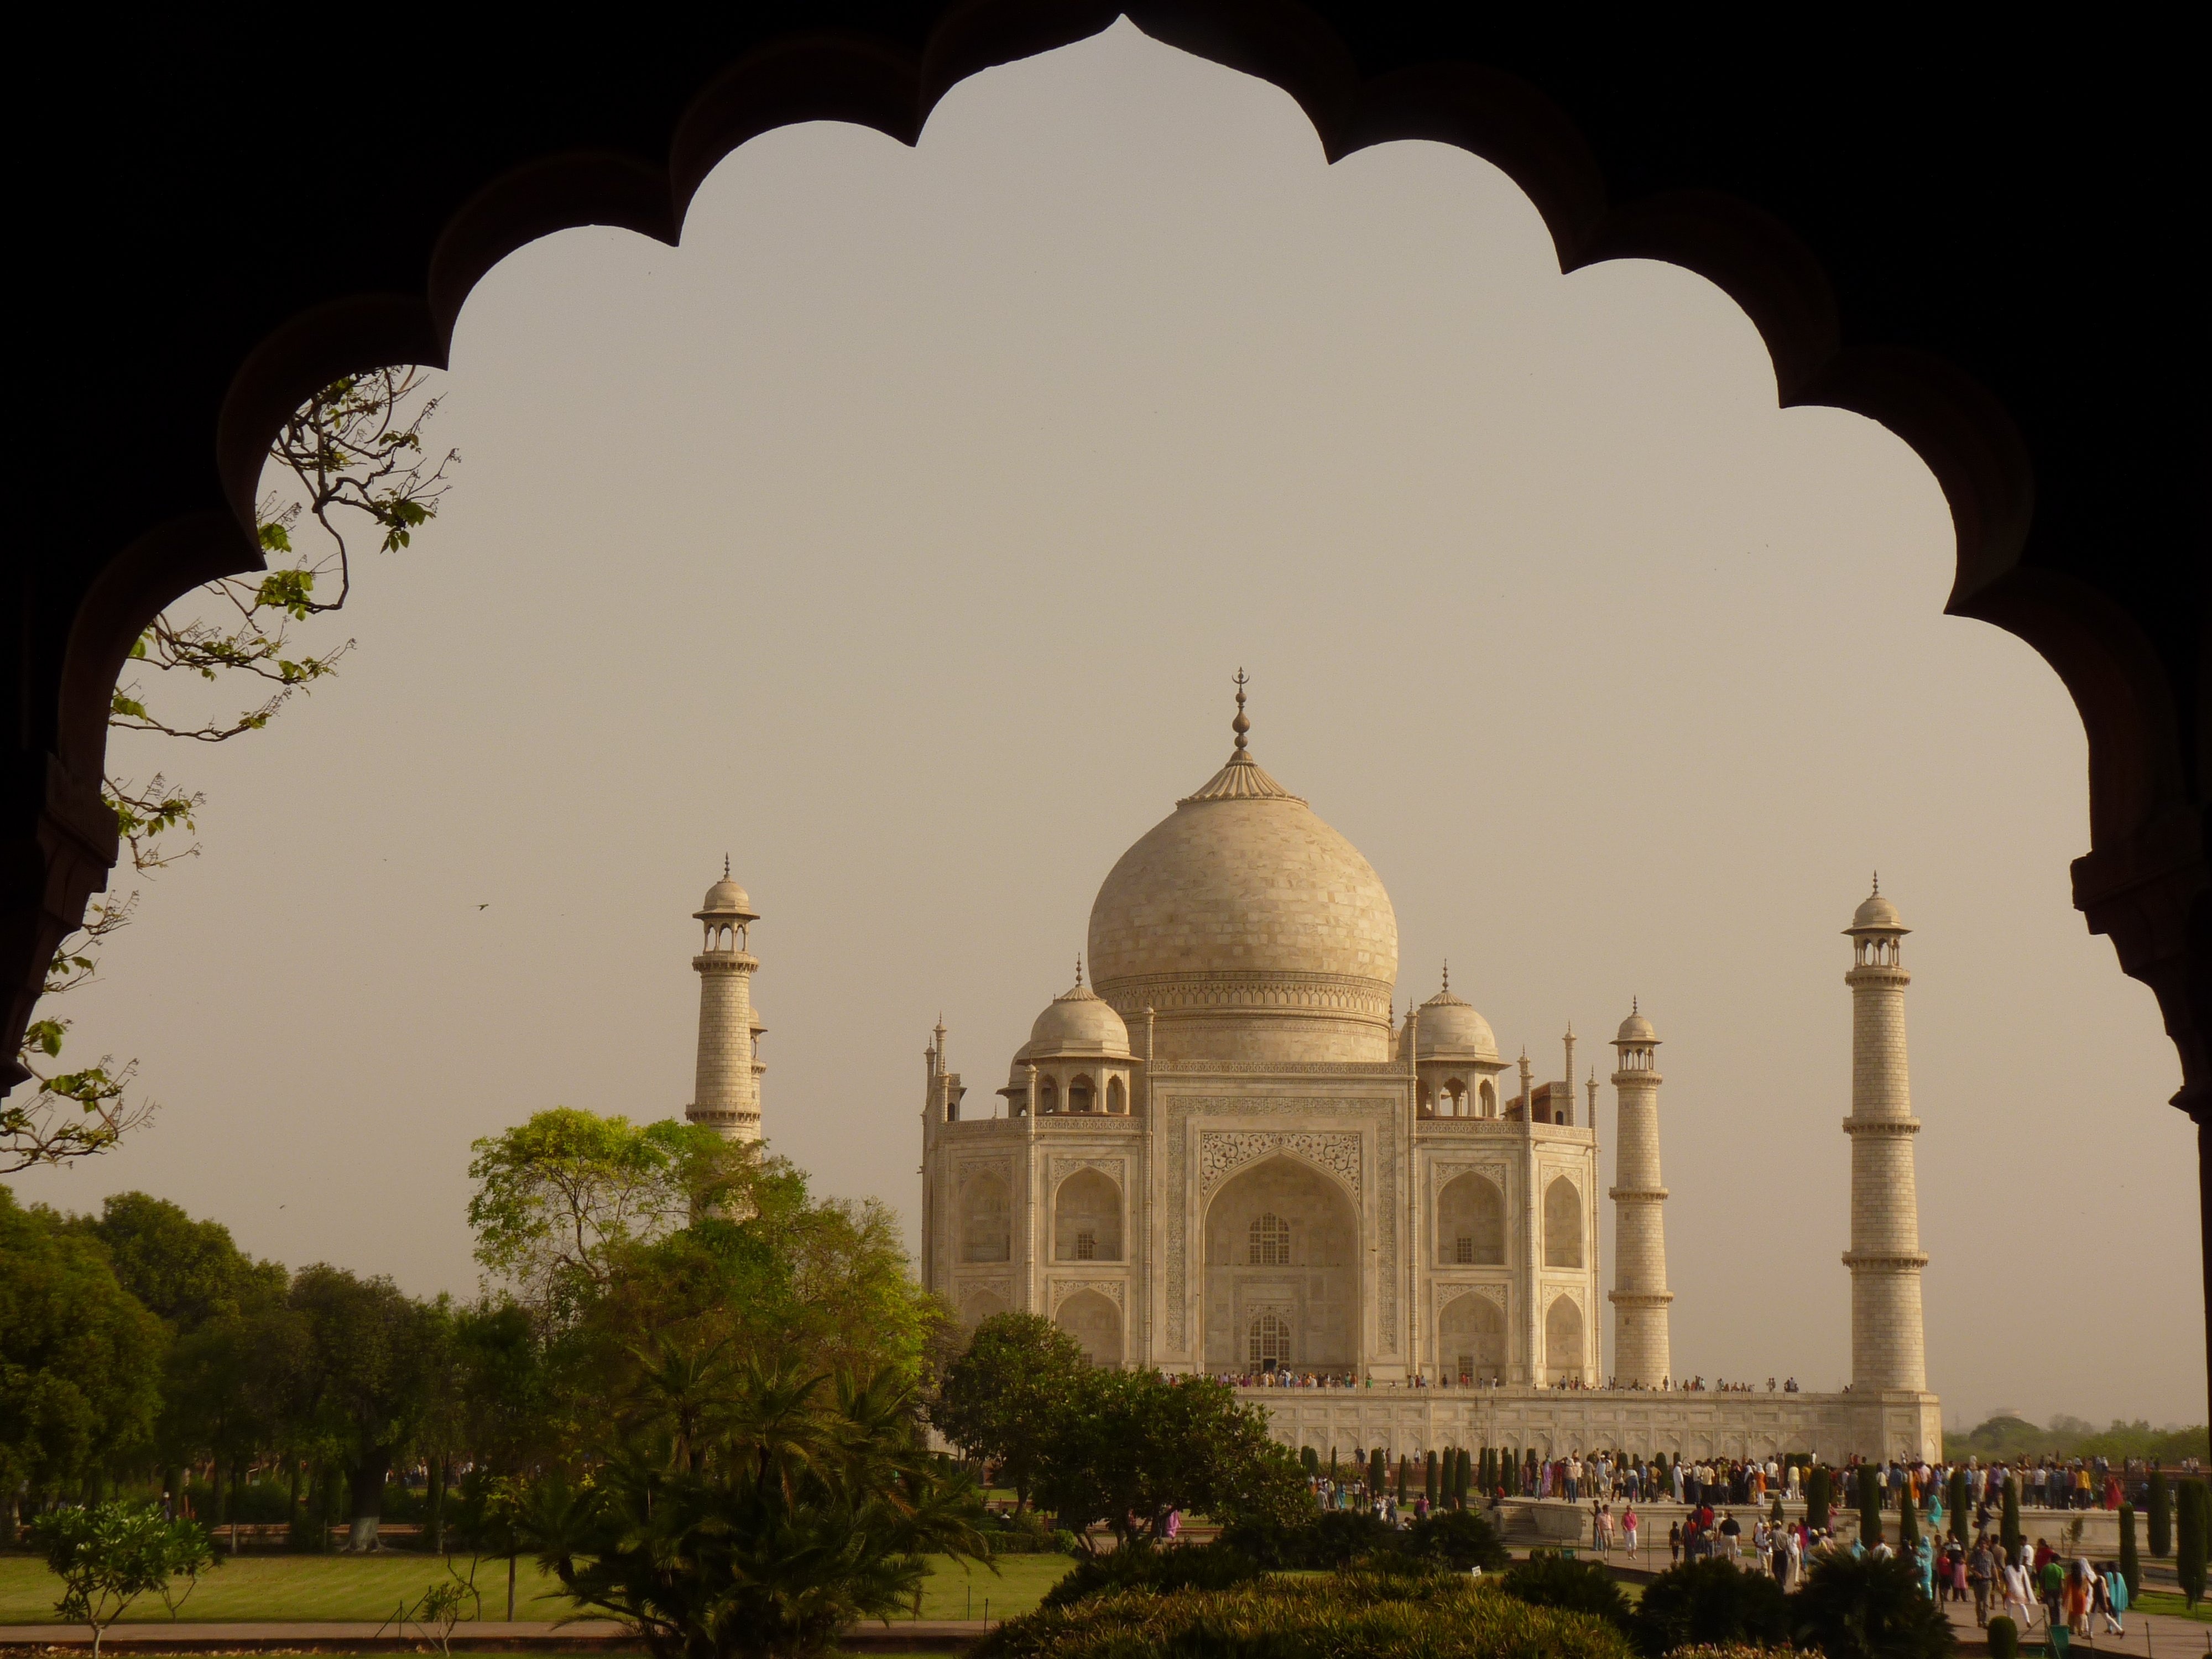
(472, 1635)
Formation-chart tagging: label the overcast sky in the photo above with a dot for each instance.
(899, 534)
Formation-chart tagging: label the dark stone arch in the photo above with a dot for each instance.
(1847, 196)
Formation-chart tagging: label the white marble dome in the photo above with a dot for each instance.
(727, 898)
(1077, 1022)
(1876, 914)
(1241, 905)
(1450, 1028)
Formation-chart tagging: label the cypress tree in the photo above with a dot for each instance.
(2161, 1516)
(2189, 1541)
(1957, 1500)
(2009, 1532)
(1819, 1490)
(1309, 1460)
(1908, 1525)
(1429, 1487)
(1402, 1477)
(2130, 1564)
(1466, 1475)
(1869, 1507)
(1332, 1463)
(2003, 1639)
(1378, 1472)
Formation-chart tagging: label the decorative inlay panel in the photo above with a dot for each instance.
(1112, 1289)
(1222, 1152)
(1061, 1167)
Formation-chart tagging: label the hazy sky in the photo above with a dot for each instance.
(899, 534)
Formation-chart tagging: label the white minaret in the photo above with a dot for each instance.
(1889, 1350)
(726, 1095)
(1642, 1353)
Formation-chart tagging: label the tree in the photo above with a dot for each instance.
(1458, 1539)
(2161, 1514)
(371, 1353)
(1869, 1507)
(1957, 1500)
(1402, 1479)
(1868, 1607)
(1709, 1601)
(2130, 1563)
(1820, 1496)
(79, 1359)
(355, 456)
(185, 1272)
(1378, 1472)
(1908, 1524)
(807, 1512)
(2189, 1539)
(1137, 1444)
(2009, 1532)
(1430, 1488)
(108, 1555)
(2003, 1638)
(1004, 1397)
(232, 1389)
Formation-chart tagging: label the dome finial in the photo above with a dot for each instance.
(1079, 966)
(1634, 1007)
(1447, 973)
(725, 866)
(1240, 725)
(1877, 884)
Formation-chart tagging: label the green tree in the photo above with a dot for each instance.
(1005, 1396)
(1957, 1500)
(185, 1272)
(233, 1388)
(108, 1555)
(1870, 1607)
(1401, 1478)
(2009, 1531)
(1548, 1579)
(1908, 1524)
(2130, 1562)
(1819, 1498)
(2161, 1514)
(1137, 1444)
(2003, 1638)
(355, 456)
(1457, 1539)
(2189, 1554)
(1431, 1488)
(1378, 1471)
(80, 1359)
(371, 1354)
(1709, 1601)
(805, 1514)
(1869, 1507)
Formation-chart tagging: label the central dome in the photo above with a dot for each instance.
(1253, 930)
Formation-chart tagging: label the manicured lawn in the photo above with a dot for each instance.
(263, 1589)
(2171, 1606)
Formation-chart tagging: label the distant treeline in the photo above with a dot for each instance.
(2010, 1437)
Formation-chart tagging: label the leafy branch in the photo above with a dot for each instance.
(360, 476)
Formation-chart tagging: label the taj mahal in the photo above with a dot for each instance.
(1222, 1151)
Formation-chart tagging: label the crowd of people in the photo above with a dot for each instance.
(1285, 1377)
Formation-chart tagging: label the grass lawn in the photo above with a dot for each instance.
(2169, 1605)
(282, 1588)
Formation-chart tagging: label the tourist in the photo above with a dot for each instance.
(1628, 1525)
(1674, 1538)
(2020, 1596)
(1732, 1537)
(1981, 1570)
(2115, 1600)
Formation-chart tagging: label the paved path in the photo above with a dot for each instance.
(2149, 1636)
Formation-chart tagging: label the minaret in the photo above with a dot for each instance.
(1642, 1353)
(726, 1095)
(1889, 1350)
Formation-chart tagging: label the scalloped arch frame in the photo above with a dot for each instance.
(2145, 882)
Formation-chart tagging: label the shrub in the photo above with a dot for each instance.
(1869, 1508)
(1819, 1494)
(1908, 1524)
(1548, 1579)
(1145, 1567)
(1332, 1539)
(1870, 1607)
(2009, 1532)
(2003, 1639)
(1459, 1539)
(1025, 1534)
(1710, 1600)
(2130, 1563)
(2190, 1541)
(1437, 1616)
(2161, 1516)
(1957, 1500)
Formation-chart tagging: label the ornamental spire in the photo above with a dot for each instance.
(1240, 725)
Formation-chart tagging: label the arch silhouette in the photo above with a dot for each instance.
(2083, 540)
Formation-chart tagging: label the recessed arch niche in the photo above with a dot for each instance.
(1086, 1218)
(1304, 1269)
(1095, 1321)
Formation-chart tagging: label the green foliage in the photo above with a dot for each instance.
(1908, 1524)
(796, 1514)
(1870, 1607)
(1330, 1540)
(1436, 1616)
(1378, 1471)
(2130, 1562)
(2009, 1532)
(370, 1360)
(108, 1555)
(1147, 1567)
(1870, 1496)
(1957, 1501)
(1711, 1601)
(2161, 1514)
(1458, 1539)
(1548, 1579)
(185, 1272)
(79, 1359)
(1008, 1393)
(1134, 1444)
(2003, 1638)
(2189, 1554)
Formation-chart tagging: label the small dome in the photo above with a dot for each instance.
(1876, 914)
(1078, 1022)
(1637, 1029)
(727, 898)
(1449, 1026)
